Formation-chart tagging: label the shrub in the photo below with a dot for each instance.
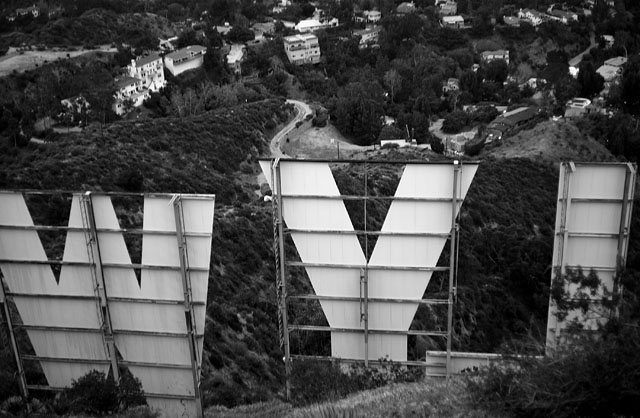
(95, 393)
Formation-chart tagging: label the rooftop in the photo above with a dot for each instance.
(300, 38)
(616, 62)
(452, 19)
(140, 61)
(186, 52)
(126, 81)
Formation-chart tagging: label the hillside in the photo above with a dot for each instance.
(506, 234)
(550, 141)
(95, 27)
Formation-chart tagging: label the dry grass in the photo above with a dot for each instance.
(428, 398)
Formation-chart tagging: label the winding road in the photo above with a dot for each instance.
(303, 110)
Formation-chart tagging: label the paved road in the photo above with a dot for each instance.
(302, 110)
(575, 61)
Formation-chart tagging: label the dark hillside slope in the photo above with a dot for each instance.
(506, 234)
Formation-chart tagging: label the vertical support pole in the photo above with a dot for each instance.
(623, 233)
(452, 262)
(283, 281)
(365, 277)
(566, 171)
(22, 379)
(94, 251)
(188, 306)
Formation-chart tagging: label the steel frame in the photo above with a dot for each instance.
(282, 263)
(563, 235)
(101, 297)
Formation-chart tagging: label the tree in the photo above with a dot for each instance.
(358, 111)
(631, 86)
(591, 83)
(187, 37)
(391, 132)
(496, 70)
(238, 34)
(455, 121)
(392, 81)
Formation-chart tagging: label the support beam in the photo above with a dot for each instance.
(93, 249)
(188, 306)
(22, 380)
(281, 281)
(452, 262)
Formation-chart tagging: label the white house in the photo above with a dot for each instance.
(129, 89)
(149, 69)
(455, 22)
(564, 16)
(302, 49)
(532, 16)
(500, 54)
(312, 25)
(185, 59)
(612, 68)
(234, 57)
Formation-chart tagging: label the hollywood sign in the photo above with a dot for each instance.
(98, 315)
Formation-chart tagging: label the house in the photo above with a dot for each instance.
(609, 40)
(75, 104)
(455, 22)
(452, 84)
(511, 21)
(508, 121)
(167, 44)
(372, 16)
(129, 93)
(564, 16)
(185, 59)
(532, 16)
(224, 29)
(150, 70)
(406, 8)
(448, 8)
(235, 57)
(302, 49)
(33, 10)
(368, 37)
(500, 54)
(312, 25)
(577, 107)
(612, 68)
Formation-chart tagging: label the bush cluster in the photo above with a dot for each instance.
(315, 381)
(96, 393)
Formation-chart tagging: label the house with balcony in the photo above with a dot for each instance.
(185, 59)
(302, 49)
(368, 37)
(500, 54)
(129, 94)
(150, 70)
